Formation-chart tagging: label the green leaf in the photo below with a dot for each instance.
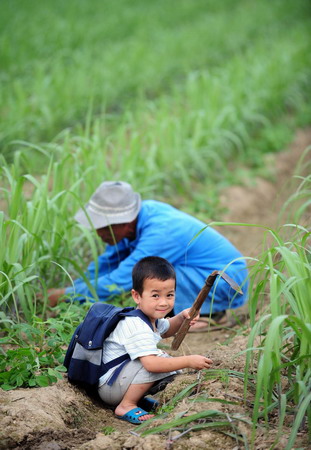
(7, 387)
(19, 380)
(61, 369)
(42, 380)
(54, 374)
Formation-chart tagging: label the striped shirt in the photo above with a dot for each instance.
(133, 336)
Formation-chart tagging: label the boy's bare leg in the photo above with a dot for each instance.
(132, 396)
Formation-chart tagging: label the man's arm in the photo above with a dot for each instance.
(107, 262)
(153, 240)
(55, 295)
(119, 280)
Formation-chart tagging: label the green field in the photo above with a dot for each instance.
(60, 60)
(178, 98)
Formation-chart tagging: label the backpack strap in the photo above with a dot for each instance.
(139, 313)
(93, 331)
(116, 372)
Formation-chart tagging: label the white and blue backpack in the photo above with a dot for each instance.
(84, 356)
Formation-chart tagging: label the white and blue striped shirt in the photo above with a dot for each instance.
(133, 336)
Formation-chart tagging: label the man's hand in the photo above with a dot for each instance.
(54, 295)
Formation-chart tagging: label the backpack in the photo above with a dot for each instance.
(84, 356)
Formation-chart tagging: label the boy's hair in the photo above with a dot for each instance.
(151, 267)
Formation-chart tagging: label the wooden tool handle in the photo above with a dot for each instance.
(183, 330)
(181, 333)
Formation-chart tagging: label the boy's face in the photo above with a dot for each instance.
(157, 298)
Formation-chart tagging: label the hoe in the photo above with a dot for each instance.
(181, 333)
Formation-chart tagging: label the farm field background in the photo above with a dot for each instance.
(190, 102)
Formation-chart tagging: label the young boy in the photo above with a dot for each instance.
(154, 283)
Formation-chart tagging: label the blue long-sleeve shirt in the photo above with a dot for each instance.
(167, 232)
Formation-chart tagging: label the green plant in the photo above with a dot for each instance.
(279, 344)
(189, 123)
(208, 419)
(34, 352)
(32, 237)
(205, 419)
(28, 367)
(108, 430)
(206, 117)
(43, 96)
(284, 329)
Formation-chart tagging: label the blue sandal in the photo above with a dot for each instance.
(147, 403)
(133, 415)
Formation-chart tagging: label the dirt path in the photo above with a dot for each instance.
(260, 201)
(60, 417)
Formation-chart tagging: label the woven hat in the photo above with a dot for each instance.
(113, 202)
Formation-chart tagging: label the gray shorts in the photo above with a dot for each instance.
(132, 373)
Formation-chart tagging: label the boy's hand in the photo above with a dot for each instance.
(186, 315)
(199, 362)
(177, 321)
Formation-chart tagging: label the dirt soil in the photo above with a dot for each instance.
(62, 417)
